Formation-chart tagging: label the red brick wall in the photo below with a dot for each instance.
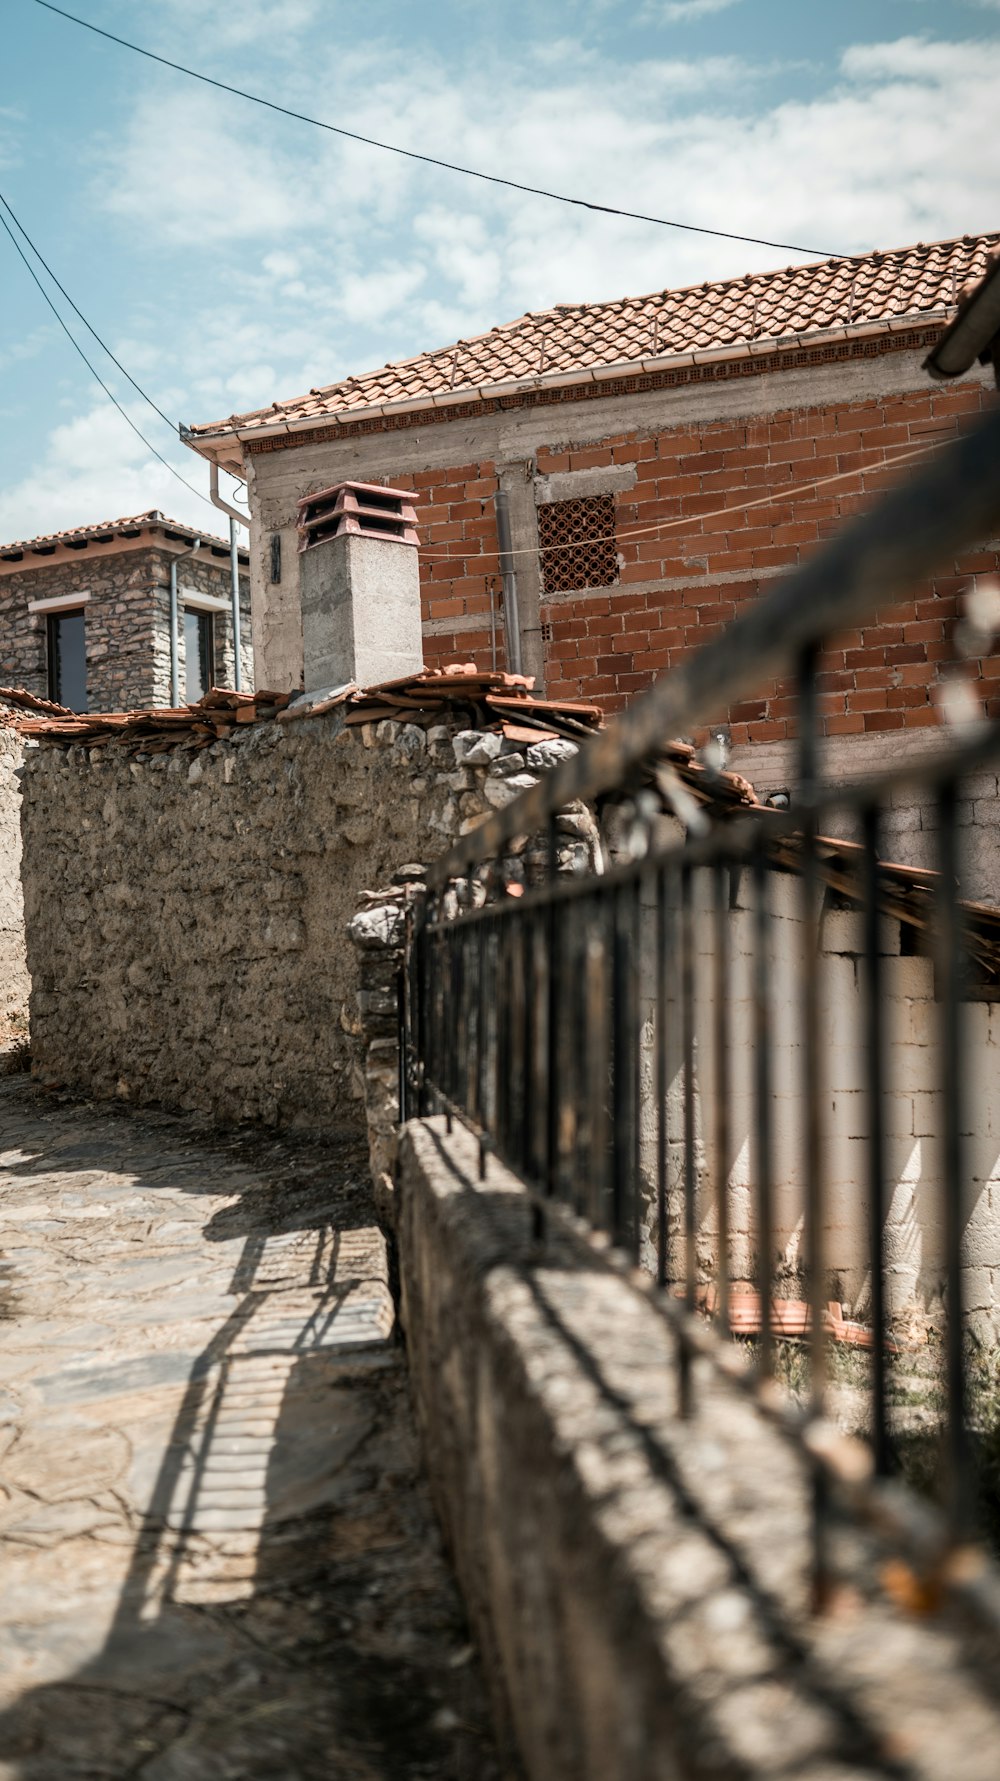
(459, 568)
(691, 491)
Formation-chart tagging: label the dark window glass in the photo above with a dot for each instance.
(68, 660)
(199, 654)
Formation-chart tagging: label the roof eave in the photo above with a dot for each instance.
(214, 445)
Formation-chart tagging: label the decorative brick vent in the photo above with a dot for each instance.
(577, 540)
(366, 509)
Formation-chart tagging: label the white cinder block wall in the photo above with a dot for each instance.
(911, 1110)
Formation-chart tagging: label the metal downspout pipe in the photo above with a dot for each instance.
(234, 573)
(174, 676)
(235, 518)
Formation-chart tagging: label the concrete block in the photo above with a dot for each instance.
(361, 617)
(842, 931)
(909, 977)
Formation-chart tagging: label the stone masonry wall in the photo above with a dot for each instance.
(187, 912)
(14, 983)
(127, 624)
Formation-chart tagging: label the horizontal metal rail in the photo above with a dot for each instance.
(909, 534)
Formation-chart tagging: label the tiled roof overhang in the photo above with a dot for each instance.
(837, 309)
(134, 527)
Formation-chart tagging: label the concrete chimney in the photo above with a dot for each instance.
(359, 586)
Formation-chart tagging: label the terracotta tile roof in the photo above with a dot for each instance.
(132, 525)
(862, 293)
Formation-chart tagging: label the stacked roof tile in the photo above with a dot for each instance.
(877, 290)
(485, 700)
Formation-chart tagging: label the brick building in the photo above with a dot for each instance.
(663, 458)
(85, 614)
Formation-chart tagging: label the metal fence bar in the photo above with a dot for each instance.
(722, 1086)
(763, 1157)
(874, 1054)
(690, 1163)
(949, 968)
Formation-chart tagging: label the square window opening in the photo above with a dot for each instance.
(578, 544)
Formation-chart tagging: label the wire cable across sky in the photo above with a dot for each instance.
(126, 417)
(412, 154)
(42, 261)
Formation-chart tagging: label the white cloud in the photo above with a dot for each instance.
(221, 23)
(281, 265)
(93, 467)
(177, 171)
(682, 12)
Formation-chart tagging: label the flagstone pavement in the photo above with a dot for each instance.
(217, 1554)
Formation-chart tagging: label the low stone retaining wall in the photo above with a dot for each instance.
(638, 1584)
(187, 911)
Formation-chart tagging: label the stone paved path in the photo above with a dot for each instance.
(217, 1556)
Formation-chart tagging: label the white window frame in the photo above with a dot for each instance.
(59, 603)
(204, 602)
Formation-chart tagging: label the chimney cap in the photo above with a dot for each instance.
(363, 509)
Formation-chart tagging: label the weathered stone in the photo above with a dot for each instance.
(410, 741)
(476, 748)
(377, 928)
(500, 792)
(542, 755)
(616, 1555)
(14, 983)
(218, 1553)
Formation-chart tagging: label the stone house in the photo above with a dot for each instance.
(85, 614)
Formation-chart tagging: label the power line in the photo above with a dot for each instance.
(22, 231)
(413, 154)
(94, 372)
(779, 497)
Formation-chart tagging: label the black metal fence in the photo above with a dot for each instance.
(617, 1038)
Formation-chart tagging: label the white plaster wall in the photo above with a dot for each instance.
(912, 1112)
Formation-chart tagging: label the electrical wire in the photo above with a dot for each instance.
(412, 154)
(22, 231)
(776, 499)
(95, 373)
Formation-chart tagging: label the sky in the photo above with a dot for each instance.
(231, 257)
